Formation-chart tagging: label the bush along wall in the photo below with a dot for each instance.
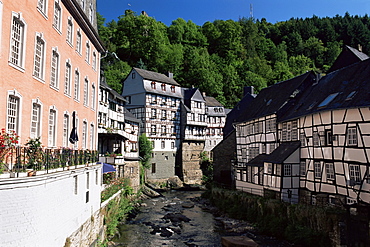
(300, 224)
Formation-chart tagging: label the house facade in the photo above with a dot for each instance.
(154, 99)
(50, 70)
(317, 151)
(118, 134)
(193, 134)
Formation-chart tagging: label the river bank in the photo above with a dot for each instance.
(184, 218)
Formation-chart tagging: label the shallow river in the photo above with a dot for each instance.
(153, 226)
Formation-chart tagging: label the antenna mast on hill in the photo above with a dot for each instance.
(251, 10)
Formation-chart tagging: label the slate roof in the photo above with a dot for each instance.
(210, 101)
(347, 57)
(235, 115)
(348, 87)
(271, 99)
(154, 76)
(130, 117)
(258, 160)
(281, 153)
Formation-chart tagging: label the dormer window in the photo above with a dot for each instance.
(351, 95)
(328, 99)
(172, 89)
(153, 85)
(163, 87)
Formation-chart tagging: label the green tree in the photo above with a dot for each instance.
(145, 152)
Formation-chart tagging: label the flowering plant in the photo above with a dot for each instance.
(8, 140)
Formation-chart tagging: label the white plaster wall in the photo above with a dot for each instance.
(44, 210)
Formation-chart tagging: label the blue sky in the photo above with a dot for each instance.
(201, 11)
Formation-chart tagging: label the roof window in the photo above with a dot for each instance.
(328, 99)
(351, 95)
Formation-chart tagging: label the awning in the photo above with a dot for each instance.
(108, 168)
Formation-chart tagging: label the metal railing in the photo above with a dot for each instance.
(22, 159)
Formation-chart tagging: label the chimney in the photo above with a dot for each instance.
(170, 75)
(204, 94)
(248, 89)
(359, 47)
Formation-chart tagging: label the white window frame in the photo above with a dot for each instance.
(66, 129)
(52, 127)
(14, 109)
(93, 92)
(54, 69)
(354, 173)
(329, 171)
(94, 60)
(76, 85)
(70, 31)
(78, 41)
(86, 92)
(352, 136)
(39, 57)
(57, 16)
(17, 51)
(67, 78)
(84, 134)
(92, 136)
(35, 126)
(88, 50)
(287, 170)
(42, 7)
(317, 167)
(302, 168)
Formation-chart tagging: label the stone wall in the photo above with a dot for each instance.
(191, 170)
(223, 153)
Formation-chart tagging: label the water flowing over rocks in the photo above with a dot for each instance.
(183, 218)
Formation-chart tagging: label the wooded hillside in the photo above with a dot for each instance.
(222, 57)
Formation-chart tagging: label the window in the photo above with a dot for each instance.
(91, 14)
(87, 180)
(35, 120)
(317, 166)
(329, 171)
(70, 31)
(133, 75)
(57, 15)
(163, 144)
(302, 168)
(153, 168)
(93, 96)
(17, 49)
(13, 113)
(316, 139)
(54, 77)
(154, 130)
(328, 137)
(67, 79)
(163, 87)
(327, 100)
(39, 60)
(287, 170)
(65, 130)
(78, 42)
(94, 60)
(302, 138)
(87, 58)
(269, 168)
(172, 145)
(172, 89)
(354, 173)
(42, 6)
(52, 128)
(351, 95)
(163, 130)
(294, 130)
(271, 125)
(153, 145)
(84, 135)
(83, 4)
(352, 136)
(86, 88)
(77, 85)
(154, 113)
(153, 85)
(164, 114)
